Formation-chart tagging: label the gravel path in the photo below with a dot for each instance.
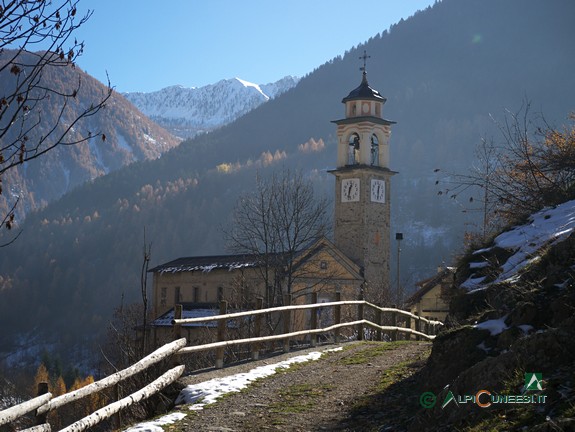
(341, 391)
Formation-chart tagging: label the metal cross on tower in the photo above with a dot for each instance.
(364, 57)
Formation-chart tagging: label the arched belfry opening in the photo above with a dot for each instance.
(374, 150)
(353, 146)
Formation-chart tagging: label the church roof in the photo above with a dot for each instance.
(364, 91)
(209, 263)
(239, 261)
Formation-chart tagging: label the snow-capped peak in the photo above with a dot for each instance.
(249, 84)
(188, 111)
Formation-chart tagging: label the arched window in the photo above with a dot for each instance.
(374, 150)
(353, 149)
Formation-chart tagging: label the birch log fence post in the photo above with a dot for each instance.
(42, 390)
(286, 321)
(177, 316)
(313, 320)
(408, 326)
(257, 329)
(221, 335)
(337, 317)
(393, 324)
(176, 359)
(360, 335)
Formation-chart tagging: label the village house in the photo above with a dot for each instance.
(431, 300)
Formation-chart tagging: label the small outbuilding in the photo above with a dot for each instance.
(432, 298)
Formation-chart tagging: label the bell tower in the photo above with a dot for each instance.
(362, 185)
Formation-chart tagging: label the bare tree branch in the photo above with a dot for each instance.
(534, 167)
(35, 42)
(274, 222)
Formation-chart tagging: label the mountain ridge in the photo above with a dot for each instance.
(130, 137)
(82, 253)
(188, 111)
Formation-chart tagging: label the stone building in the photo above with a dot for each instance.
(200, 283)
(362, 187)
(356, 263)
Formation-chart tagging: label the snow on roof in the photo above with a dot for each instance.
(208, 263)
(544, 228)
(166, 319)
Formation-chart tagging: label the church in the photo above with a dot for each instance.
(355, 264)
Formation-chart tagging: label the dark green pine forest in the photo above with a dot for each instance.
(449, 74)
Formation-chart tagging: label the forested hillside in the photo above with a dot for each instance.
(129, 137)
(445, 72)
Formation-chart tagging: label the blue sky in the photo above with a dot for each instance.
(146, 46)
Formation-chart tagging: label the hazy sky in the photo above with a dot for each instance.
(147, 45)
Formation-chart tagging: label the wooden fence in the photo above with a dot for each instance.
(416, 326)
(45, 403)
(413, 325)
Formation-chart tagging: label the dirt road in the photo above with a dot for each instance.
(364, 387)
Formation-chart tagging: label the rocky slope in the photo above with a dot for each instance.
(512, 317)
(187, 112)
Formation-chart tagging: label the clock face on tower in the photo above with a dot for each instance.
(378, 191)
(350, 190)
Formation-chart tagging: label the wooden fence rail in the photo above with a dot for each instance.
(15, 412)
(283, 336)
(45, 403)
(109, 410)
(427, 332)
(302, 307)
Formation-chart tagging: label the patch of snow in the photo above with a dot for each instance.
(150, 139)
(238, 266)
(495, 326)
(478, 265)
(473, 284)
(208, 392)
(166, 319)
(122, 143)
(483, 347)
(95, 150)
(544, 228)
(257, 87)
(209, 268)
(154, 425)
(66, 177)
(564, 284)
(526, 328)
(478, 251)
